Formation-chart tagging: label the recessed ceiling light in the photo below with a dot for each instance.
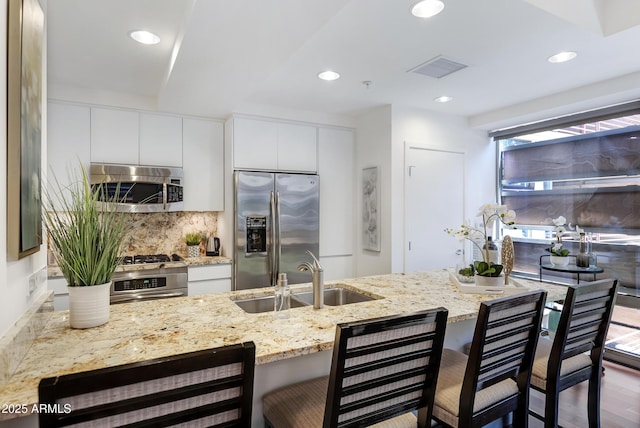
(427, 8)
(443, 99)
(562, 57)
(328, 75)
(144, 37)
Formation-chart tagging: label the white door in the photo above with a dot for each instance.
(434, 201)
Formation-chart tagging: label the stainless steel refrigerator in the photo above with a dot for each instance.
(276, 221)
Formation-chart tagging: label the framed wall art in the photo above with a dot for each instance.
(24, 127)
(371, 209)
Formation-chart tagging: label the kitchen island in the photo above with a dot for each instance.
(287, 350)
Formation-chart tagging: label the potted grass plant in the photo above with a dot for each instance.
(86, 239)
(193, 244)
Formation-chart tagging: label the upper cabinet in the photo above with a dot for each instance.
(120, 136)
(265, 145)
(160, 140)
(203, 151)
(68, 136)
(255, 144)
(114, 136)
(130, 137)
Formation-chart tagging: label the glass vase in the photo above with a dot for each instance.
(582, 260)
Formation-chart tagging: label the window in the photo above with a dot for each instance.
(587, 169)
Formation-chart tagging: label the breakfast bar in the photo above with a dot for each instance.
(287, 350)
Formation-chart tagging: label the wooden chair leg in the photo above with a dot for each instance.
(551, 400)
(594, 400)
(520, 417)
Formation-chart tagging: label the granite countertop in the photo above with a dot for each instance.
(144, 330)
(54, 271)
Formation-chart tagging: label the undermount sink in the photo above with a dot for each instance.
(334, 297)
(258, 305)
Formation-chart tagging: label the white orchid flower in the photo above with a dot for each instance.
(560, 221)
(486, 210)
(509, 217)
(478, 234)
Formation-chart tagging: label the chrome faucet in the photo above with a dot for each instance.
(317, 274)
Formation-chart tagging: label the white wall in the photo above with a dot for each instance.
(382, 134)
(14, 275)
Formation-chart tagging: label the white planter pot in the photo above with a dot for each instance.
(489, 281)
(193, 250)
(559, 260)
(89, 305)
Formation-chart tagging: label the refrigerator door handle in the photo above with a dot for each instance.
(272, 251)
(277, 234)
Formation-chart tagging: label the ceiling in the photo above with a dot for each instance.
(222, 56)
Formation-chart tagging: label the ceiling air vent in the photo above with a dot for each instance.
(438, 67)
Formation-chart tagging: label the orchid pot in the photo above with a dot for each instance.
(559, 260)
(489, 281)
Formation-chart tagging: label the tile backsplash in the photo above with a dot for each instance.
(163, 233)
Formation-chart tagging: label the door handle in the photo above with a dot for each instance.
(458, 252)
(278, 243)
(272, 254)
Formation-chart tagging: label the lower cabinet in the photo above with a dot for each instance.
(60, 293)
(209, 279)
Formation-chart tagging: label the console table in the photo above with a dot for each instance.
(570, 268)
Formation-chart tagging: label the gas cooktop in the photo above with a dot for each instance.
(149, 258)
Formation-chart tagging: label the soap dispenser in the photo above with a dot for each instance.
(282, 300)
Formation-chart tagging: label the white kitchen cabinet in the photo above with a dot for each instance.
(337, 196)
(60, 293)
(255, 144)
(209, 279)
(68, 137)
(297, 147)
(265, 145)
(337, 201)
(114, 136)
(203, 151)
(160, 140)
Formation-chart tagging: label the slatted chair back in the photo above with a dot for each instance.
(213, 387)
(577, 349)
(384, 368)
(583, 326)
(503, 347)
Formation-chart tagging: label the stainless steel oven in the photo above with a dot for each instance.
(149, 284)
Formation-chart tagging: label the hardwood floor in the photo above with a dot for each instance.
(619, 401)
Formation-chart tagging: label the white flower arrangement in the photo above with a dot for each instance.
(489, 214)
(561, 228)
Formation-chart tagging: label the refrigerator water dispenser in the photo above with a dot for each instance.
(256, 234)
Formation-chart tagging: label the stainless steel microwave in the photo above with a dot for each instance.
(140, 189)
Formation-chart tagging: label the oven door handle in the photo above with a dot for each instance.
(150, 296)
